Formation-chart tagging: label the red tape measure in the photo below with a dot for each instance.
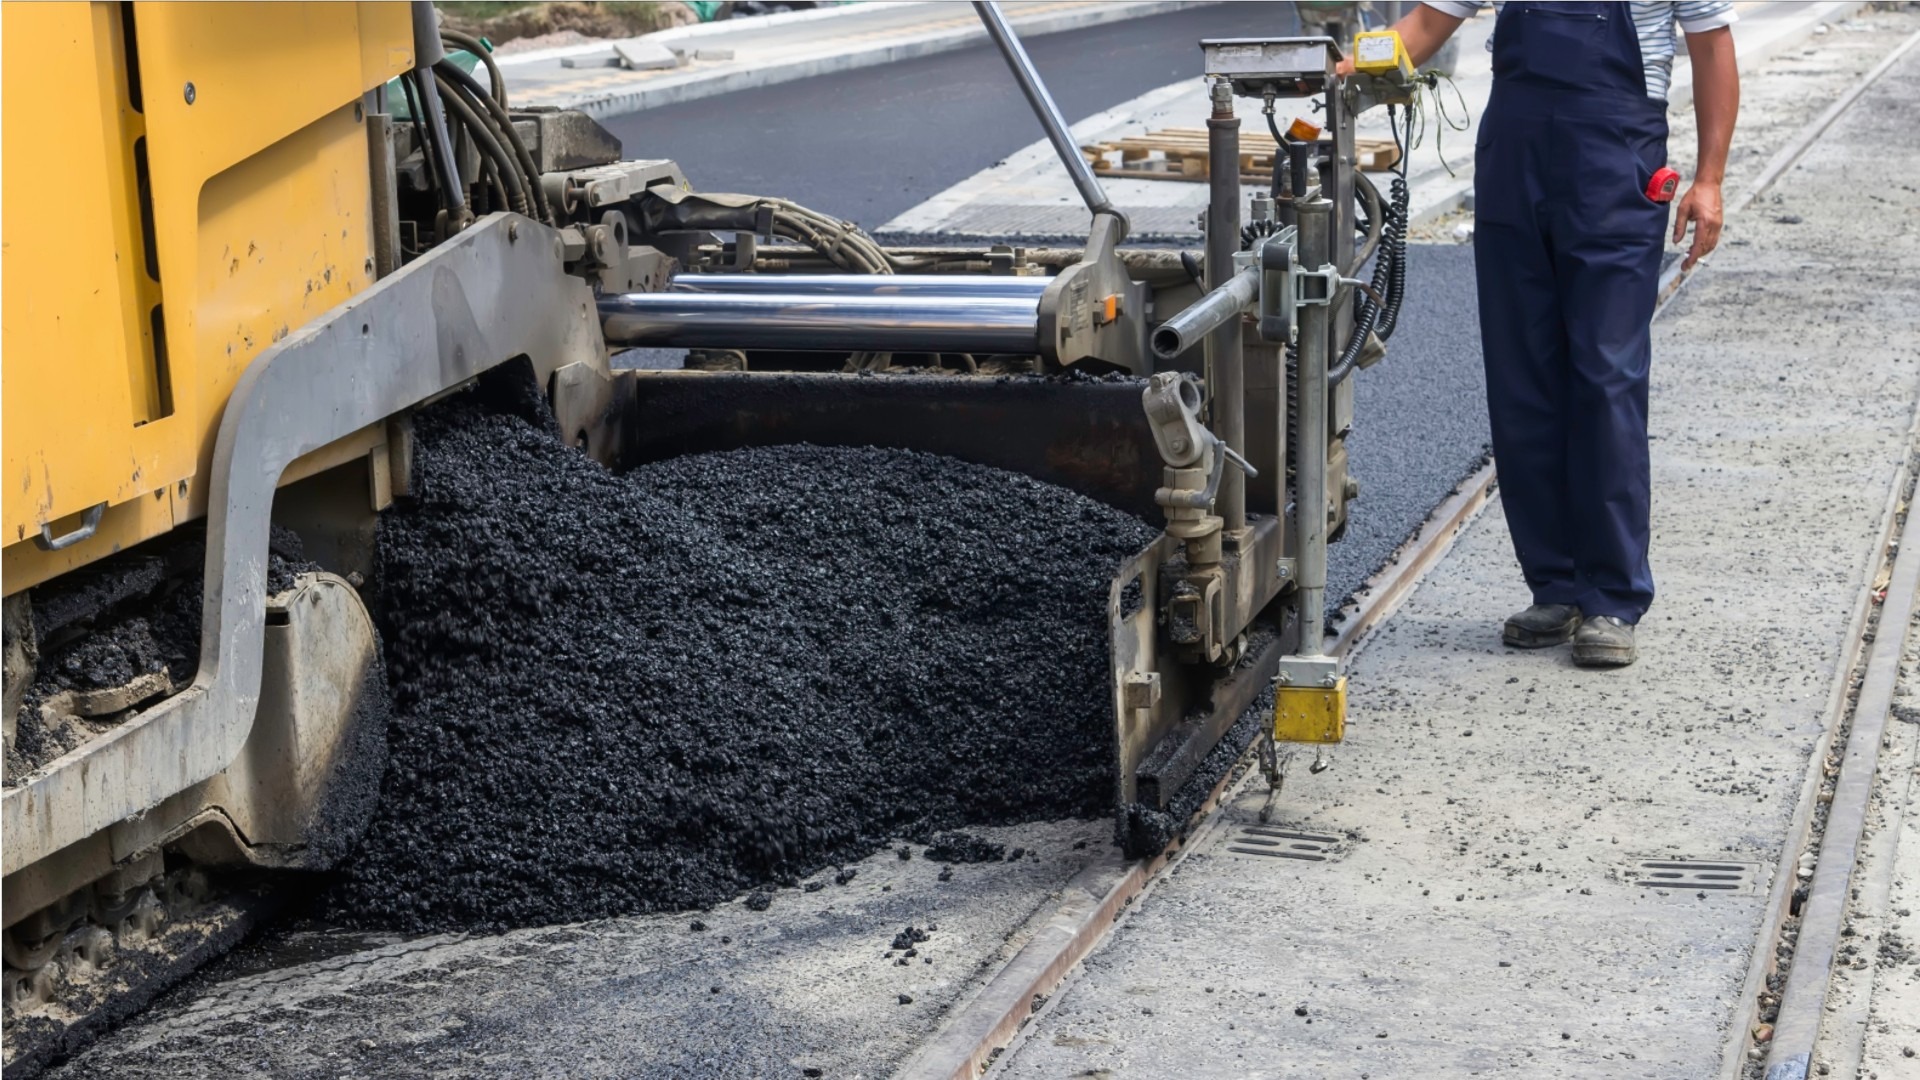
(1663, 185)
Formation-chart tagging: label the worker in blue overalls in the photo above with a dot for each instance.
(1570, 201)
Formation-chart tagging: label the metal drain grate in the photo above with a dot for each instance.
(1694, 875)
(1278, 843)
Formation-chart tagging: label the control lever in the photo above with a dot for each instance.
(1046, 111)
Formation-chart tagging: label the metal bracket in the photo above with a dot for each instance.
(1279, 288)
(1317, 671)
(1329, 278)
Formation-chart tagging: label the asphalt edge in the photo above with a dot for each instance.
(706, 29)
(639, 99)
(1388, 587)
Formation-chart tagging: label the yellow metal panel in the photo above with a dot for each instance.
(130, 522)
(1310, 714)
(78, 370)
(260, 197)
(121, 527)
(255, 279)
(386, 41)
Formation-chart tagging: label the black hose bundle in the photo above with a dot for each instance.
(1375, 317)
(480, 114)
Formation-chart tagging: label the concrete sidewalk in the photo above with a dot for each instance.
(1484, 912)
(763, 50)
(1029, 196)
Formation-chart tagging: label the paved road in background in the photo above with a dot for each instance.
(871, 143)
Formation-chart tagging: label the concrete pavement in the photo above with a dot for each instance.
(1485, 912)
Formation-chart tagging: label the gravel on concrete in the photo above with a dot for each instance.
(806, 985)
(657, 690)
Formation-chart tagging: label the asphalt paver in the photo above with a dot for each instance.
(654, 690)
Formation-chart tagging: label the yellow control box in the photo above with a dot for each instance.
(1379, 52)
(1310, 714)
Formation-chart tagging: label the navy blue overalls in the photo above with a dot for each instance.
(1567, 251)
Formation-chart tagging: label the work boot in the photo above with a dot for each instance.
(1542, 625)
(1603, 641)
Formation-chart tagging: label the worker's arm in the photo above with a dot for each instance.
(1422, 30)
(1716, 102)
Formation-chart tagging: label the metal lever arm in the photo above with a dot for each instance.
(1043, 107)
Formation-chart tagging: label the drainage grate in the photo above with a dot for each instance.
(1694, 875)
(1278, 843)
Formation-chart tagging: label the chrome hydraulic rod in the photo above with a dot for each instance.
(1048, 113)
(985, 324)
(1218, 308)
(1310, 434)
(962, 285)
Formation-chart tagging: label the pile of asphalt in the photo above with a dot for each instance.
(656, 690)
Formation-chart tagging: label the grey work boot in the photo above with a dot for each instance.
(1542, 625)
(1603, 641)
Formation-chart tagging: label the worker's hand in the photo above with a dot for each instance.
(1701, 205)
(1344, 68)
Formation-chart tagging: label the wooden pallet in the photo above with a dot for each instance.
(1181, 154)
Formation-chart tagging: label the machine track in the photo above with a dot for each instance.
(82, 982)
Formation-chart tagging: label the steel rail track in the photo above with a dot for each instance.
(1809, 973)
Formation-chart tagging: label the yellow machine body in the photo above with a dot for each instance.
(216, 196)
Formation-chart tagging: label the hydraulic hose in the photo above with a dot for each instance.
(482, 133)
(1279, 153)
(497, 110)
(1375, 317)
(477, 48)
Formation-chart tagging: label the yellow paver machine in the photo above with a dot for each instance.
(243, 241)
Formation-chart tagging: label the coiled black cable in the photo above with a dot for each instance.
(1374, 318)
(1394, 240)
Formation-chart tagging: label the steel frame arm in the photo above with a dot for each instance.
(495, 292)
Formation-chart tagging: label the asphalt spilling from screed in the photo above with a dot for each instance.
(656, 690)
(107, 624)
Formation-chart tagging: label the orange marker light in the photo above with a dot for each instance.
(1303, 131)
(1110, 309)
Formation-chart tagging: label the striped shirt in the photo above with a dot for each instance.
(1652, 22)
